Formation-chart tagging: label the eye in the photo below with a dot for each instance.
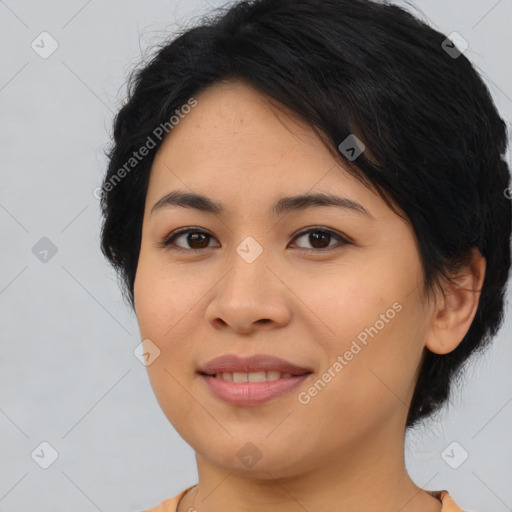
(320, 238)
(197, 239)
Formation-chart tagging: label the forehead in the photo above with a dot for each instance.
(234, 121)
(239, 145)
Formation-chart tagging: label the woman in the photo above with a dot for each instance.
(306, 201)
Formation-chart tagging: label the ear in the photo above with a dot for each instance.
(456, 306)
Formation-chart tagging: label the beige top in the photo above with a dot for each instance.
(171, 504)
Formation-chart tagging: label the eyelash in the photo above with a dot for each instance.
(168, 240)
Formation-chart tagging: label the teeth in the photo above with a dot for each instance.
(256, 377)
(252, 376)
(273, 375)
(240, 377)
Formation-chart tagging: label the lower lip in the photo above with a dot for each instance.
(249, 394)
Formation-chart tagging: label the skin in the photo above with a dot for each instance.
(344, 450)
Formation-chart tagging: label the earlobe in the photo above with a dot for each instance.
(452, 317)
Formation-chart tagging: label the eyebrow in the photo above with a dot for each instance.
(280, 207)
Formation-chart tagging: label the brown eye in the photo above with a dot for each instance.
(320, 239)
(197, 240)
(193, 239)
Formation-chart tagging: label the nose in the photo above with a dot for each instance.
(250, 297)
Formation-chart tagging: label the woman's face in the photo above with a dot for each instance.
(333, 289)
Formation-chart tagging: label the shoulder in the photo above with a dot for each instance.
(169, 505)
(449, 504)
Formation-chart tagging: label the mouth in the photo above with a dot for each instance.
(261, 376)
(251, 394)
(258, 366)
(251, 381)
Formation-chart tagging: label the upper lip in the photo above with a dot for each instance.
(231, 363)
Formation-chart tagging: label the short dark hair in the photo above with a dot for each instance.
(435, 140)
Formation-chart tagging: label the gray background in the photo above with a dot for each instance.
(68, 375)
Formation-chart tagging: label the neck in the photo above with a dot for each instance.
(367, 476)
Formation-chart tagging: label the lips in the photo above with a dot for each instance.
(233, 364)
(251, 381)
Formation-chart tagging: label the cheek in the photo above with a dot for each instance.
(160, 303)
(373, 319)
(161, 298)
(167, 301)
(362, 385)
(351, 299)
